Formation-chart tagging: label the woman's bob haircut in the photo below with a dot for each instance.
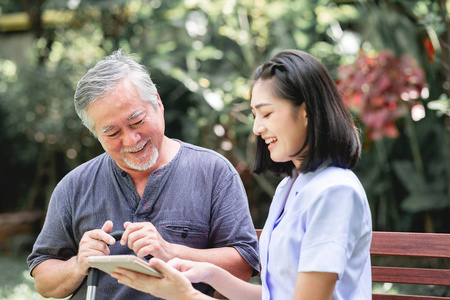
(332, 138)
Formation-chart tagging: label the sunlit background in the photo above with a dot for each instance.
(390, 59)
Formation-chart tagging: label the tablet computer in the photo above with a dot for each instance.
(109, 263)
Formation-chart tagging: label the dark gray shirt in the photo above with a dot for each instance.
(197, 200)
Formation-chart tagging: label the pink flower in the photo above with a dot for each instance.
(381, 90)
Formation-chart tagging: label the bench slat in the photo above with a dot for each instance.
(404, 297)
(410, 244)
(411, 275)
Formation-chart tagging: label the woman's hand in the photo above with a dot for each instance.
(194, 271)
(174, 285)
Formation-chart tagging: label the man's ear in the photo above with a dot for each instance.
(160, 104)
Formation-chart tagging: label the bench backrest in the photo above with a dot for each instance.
(423, 245)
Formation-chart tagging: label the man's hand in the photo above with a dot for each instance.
(144, 239)
(94, 243)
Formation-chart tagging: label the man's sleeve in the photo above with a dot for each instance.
(55, 240)
(231, 223)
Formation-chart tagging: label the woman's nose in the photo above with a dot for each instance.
(258, 128)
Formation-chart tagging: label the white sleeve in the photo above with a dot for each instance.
(333, 225)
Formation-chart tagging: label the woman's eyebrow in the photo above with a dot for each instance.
(260, 105)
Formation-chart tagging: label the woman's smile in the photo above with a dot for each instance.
(271, 142)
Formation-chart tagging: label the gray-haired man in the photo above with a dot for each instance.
(173, 199)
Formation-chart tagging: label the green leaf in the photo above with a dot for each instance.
(425, 202)
(412, 180)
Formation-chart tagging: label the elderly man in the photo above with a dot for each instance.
(173, 199)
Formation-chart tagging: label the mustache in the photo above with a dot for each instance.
(138, 147)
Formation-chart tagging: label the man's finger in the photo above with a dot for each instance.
(107, 227)
(129, 228)
(102, 234)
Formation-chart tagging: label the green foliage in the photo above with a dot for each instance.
(8, 6)
(17, 283)
(201, 55)
(408, 184)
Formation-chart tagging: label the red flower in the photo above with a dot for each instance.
(380, 90)
(429, 49)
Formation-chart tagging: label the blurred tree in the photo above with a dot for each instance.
(407, 178)
(201, 55)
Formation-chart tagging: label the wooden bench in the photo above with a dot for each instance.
(402, 244)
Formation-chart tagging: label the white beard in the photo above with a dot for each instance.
(143, 166)
(146, 164)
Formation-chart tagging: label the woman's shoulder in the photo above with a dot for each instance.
(333, 179)
(334, 176)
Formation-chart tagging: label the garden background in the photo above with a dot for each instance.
(390, 59)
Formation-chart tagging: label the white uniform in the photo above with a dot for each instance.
(325, 226)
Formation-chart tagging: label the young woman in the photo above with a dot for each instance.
(316, 240)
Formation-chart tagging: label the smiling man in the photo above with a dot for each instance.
(173, 199)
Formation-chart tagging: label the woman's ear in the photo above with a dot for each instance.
(302, 114)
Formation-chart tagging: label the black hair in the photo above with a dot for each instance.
(332, 138)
